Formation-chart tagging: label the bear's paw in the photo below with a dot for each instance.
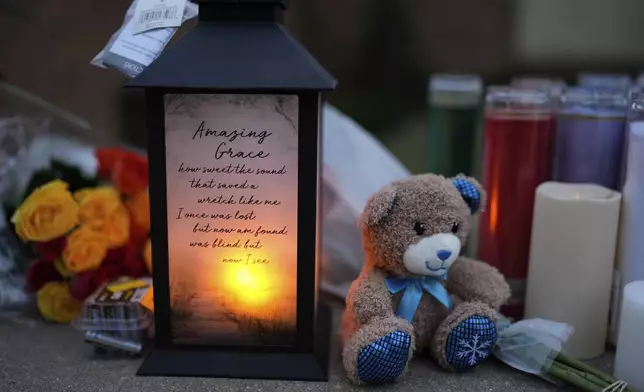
(470, 342)
(385, 359)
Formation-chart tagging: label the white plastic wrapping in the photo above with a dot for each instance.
(531, 345)
(355, 166)
(31, 132)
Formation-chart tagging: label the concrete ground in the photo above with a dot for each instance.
(37, 357)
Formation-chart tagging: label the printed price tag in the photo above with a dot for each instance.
(154, 14)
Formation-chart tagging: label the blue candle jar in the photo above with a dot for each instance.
(590, 137)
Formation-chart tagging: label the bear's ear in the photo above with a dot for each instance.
(379, 206)
(471, 191)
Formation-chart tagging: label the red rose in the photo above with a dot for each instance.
(136, 269)
(82, 286)
(105, 273)
(40, 273)
(111, 267)
(124, 261)
(107, 159)
(126, 169)
(49, 251)
(133, 264)
(115, 256)
(130, 174)
(138, 235)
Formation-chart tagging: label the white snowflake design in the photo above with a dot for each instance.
(474, 349)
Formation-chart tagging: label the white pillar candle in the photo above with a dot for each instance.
(630, 255)
(630, 344)
(572, 254)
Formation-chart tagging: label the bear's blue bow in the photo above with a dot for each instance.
(413, 288)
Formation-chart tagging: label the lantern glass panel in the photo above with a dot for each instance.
(232, 216)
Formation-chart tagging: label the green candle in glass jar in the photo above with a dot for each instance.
(454, 124)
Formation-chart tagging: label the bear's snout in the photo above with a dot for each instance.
(432, 255)
(443, 254)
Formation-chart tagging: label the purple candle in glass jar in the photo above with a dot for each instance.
(590, 137)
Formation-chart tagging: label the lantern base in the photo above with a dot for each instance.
(206, 362)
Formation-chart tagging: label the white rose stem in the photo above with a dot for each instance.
(572, 254)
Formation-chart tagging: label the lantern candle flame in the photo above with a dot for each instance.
(259, 290)
(251, 286)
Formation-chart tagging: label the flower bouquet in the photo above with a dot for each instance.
(84, 231)
(535, 346)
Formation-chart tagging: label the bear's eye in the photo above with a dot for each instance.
(420, 228)
(455, 228)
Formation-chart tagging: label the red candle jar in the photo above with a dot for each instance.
(519, 137)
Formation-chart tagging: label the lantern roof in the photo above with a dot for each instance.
(236, 45)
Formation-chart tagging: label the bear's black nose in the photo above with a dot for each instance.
(443, 254)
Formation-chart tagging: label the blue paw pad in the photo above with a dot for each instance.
(385, 359)
(470, 342)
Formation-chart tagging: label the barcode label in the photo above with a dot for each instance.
(158, 14)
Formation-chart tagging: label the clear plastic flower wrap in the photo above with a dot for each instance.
(535, 346)
(32, 132)
(531, 345)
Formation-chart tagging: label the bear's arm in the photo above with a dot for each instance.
(474, 280)
(369, 297)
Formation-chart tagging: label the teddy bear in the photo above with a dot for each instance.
(416, 295)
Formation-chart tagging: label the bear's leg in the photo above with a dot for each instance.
(465, 337)
(379, 351)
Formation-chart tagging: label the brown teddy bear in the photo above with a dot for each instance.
(416, 294)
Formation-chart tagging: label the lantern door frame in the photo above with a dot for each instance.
(308, 358)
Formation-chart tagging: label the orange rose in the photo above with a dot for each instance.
(56, 303)
(147, 255)
(85, 250)
(115, 228)
(101, 210)
(139, 206)
(97, 203)
(48, 212)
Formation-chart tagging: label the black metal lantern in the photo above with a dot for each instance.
(233, 118)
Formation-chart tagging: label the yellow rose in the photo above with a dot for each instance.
(85, 250)
(147, 255)
(139, 206)
(115, 227)
(48, 212)
(97, 203)
(56, 303)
